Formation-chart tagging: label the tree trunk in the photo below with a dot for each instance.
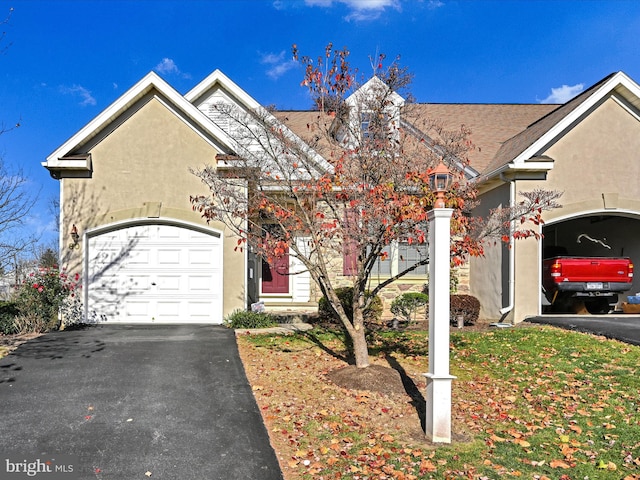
(360, 347)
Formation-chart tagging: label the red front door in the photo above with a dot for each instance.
(275, 277)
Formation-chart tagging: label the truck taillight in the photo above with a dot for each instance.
(556, 269)
(630, 269)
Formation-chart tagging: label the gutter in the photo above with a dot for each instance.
(505, 310)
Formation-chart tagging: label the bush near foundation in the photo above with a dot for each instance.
(249, 319)
(466, 305)
(345, 294)
(411, 306)
(8, 312)
(39, 298)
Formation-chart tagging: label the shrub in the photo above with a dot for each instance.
(408, 305)
(30, 323)
(466, 305)
(40, 297)
(345, 294)
(8, 313)
(72, 310)
(248, 319)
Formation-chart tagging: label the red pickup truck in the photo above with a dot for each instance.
(595, 281)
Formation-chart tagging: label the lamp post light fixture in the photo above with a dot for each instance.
(438, 398)
(439, 181)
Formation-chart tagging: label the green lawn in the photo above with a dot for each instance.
(531, 402)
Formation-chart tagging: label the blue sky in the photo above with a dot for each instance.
(65, 61)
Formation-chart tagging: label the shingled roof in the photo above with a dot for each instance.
(491, 124)
(517, 144)
(505, 135)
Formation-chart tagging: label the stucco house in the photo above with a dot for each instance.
(144, 255)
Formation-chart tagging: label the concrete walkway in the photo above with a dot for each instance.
(157, 401)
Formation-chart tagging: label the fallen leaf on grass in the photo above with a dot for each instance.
(522, 443)
(427, 466)
(559, 464)
(576, 428)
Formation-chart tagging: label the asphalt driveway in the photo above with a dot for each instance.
(625, 328)
(127, 402)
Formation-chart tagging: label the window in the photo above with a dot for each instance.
(402, 255)
(374, 126)
(409, 255)
(365, 122)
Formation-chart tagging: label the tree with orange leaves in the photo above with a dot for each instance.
(355, 184)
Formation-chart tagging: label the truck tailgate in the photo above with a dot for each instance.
(593, 269)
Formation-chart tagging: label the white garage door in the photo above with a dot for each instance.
(155, 273)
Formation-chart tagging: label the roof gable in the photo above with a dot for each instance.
(374, 86)
(70, 155)
(528, 146)
(215, 81)
(217, 96)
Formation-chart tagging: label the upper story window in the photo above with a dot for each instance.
(375, 126)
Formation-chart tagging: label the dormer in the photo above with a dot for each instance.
(371, 110)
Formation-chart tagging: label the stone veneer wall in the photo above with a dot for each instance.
(389, 293)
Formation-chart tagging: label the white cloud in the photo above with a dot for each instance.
(278, 66)
(168, 67)
(79, 91)
(564, 93)
(360, 9)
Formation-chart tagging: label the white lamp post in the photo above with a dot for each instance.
(438, 421)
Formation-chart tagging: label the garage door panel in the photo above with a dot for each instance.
(169, 256)
(200, 309)
(137, 310)
(170, 310)
(174, 234)
(136, 283)
(138, 257)
(202, 257)
(103, 258)
(156, 273)
(170, 284)
(201, 283)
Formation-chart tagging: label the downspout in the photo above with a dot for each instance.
(512, 261)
